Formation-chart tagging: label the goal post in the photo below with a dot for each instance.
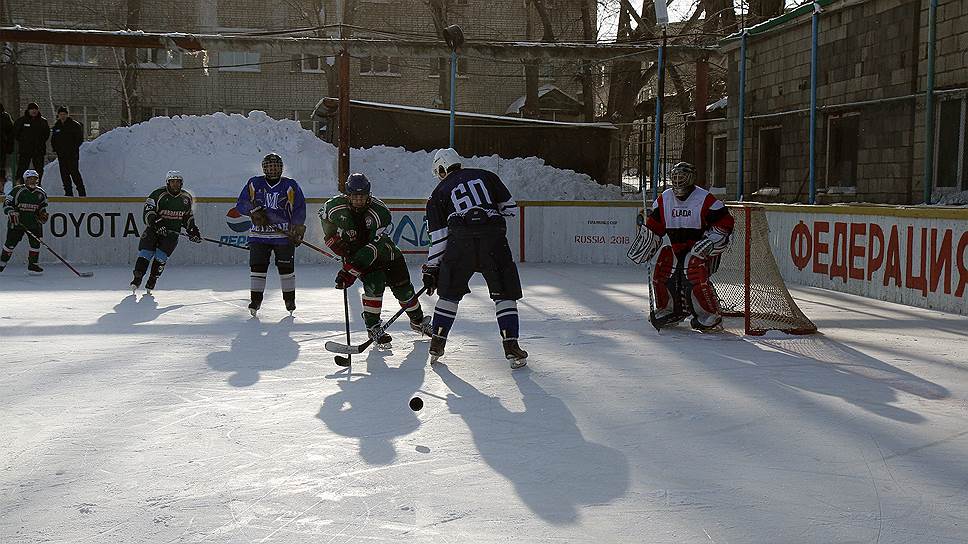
(749, 282)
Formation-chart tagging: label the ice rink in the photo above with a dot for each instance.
(177, 418)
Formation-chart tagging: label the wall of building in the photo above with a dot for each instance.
(868, 51)
(277, 88)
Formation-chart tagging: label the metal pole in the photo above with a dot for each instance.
(344, 119)
(453, 94)
(699, 127)
(657, 143)
(742, 116)
(813, 104)
(929, 105)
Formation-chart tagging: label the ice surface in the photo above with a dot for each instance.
(179, 419)
(217, 153)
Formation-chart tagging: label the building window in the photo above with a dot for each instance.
(843, 142)
(443, 67)
(718, 175)
(309, 64)
(382, 66)
(87, 116)
(77, 55)
(951, 152)
(159, 58)
(768, 158)
(239, 61)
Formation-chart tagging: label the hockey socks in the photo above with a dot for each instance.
(444, 315)
(507, 318)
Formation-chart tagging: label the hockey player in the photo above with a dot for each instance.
(167, 210)
(699, 227)
(355, 226)
(277, 208)
(468, 234)
(26, 209)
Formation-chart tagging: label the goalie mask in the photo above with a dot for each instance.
(683, 179)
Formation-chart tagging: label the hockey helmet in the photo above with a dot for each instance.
(174, 181)
(357, 189)
(272, 166)
(31, 178)
(445, 160)
(682, 178)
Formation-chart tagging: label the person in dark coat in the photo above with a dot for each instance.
(66, 139)
(6, 144)
(31, 133)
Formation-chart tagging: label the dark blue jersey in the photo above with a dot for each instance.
(283, 203)
(460, 192)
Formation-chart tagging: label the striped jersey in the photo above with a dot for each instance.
(687, 220)
(283, 203)
(460, 192)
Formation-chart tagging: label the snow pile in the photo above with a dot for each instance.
(217, 152)
(952, 199)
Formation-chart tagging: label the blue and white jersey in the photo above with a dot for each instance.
(460, 192)
(283, 202)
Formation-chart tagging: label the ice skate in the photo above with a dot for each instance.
(2, 266)
(437, 344)
(290, 303)
(715, 327)
(514, 354)
(422, 326)
(379, 336)
(254, 308)
(34, 269)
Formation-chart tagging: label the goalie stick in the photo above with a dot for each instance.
(348, 349)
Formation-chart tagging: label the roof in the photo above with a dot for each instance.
(544, 90)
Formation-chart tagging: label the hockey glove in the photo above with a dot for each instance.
(713, 243)
(430, 275)
(338, 245)
(259, 217)
(159, 227)
(43, 216)
(14, 218)
(297, 233)
(194, 234)
(347, 276)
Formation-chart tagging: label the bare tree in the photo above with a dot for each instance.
(9, 80)
(532, 108)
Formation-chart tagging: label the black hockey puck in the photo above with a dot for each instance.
(416, 404)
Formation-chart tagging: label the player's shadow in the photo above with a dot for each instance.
(256, 349)
(131, 311)
(541, 450)
(375, 409)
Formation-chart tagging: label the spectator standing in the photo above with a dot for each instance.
(66, 139)
(31, 133)
(6, 144)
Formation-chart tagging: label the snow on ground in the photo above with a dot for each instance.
(179, 419)
(217, 153)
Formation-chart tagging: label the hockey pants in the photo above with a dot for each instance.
(669, 287)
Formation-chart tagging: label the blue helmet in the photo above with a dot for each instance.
(357, 184)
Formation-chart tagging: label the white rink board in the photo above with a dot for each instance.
(917, 257)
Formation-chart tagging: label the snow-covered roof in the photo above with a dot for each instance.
(516, 106)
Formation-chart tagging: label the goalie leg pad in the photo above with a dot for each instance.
(705, 301)
(665, 263)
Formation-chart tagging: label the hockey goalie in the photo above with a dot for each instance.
(698, 226)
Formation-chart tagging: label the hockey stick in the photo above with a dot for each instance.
(350, 349)
(219, 242)
(652, 301)
(341, 360)
(305, 243)
(74, 270)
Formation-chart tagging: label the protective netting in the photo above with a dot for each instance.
(749, 282)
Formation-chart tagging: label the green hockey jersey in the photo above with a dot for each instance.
(364, 229)
(27, 203)
(175, 211)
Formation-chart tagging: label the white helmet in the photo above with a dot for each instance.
(174, 174)
(31, 174)
(444, 160)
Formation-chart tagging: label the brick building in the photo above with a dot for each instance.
(872, 65)
(88, 80)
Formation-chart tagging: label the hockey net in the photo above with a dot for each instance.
(749, 282)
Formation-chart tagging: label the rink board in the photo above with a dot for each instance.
(910, 255)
